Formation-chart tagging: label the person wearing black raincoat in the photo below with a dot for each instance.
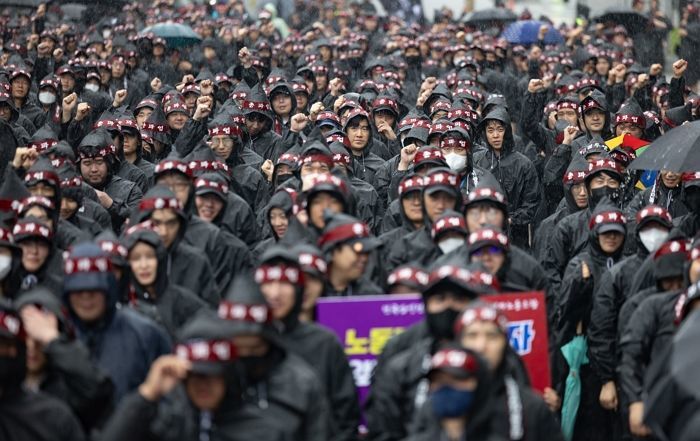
(150, 291)
(347, 244)
(461, 393)
(279, 212)
(649, 330)
(20, 88)
(97, 162)
(399, 389)
(484, 329)
(57, 363)
(583, 275)
(514, 171)
(575, 199)
(651, 228)
(259, 121)
(188, 266)
(41, 260)
(122, 342)
(570, 235)
(279, 383)
(410, 211)
(689, 224)
(440, 193)
(74, 204)
(362, 145)
(318, 346)
(132, 146)
(21, 127)
(666, 192)
(195, 393)
(26, 415)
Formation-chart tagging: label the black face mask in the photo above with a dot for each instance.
(441, 324)
(598, 194)
(413, 60)
(280, 179)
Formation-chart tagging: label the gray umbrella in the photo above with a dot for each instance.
(677, 150)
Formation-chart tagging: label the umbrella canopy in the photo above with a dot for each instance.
(632, 20)
(677, 150)
(487, 18)
(175, 34)
(526, 32)
(575, 354)
(684, 362)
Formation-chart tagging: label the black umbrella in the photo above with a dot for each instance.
(490, 17)
(632, 20)
(685, 359)
(677, 150)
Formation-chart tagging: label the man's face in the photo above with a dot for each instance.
(603, 179)
(142, 116)
(495, 134)
(594, 120)
(208, 206)
(36, 359)
(437, 202)
(67, 83)
(568, 115)
(178, 184)
(222, 146)
(611, 241)
(89, 306)
(94, 170)
(42, 189)
(177, 120)
(282, 104)
(279, 222)
(118, 68)
(480, 215)
(68, 208)
(628, 129)
(349, 262)
(412, 204)
(492, 257)
(670, 179)
(166, 224)
(358, 133)
(34, 254)
(578, 191)
(280, 296)
(130, 143)
(302, 100)
(383, 116)
(206, 392)
(5, 112)
(321, 202)
(20, 87)
(486, 339)
(255, 123)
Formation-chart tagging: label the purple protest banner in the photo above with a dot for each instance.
(365, 323)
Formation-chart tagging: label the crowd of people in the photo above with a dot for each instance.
(171, 210)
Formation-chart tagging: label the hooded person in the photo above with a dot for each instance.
(97, 163)
(325, 195)
(22, 128)
(575, 199)
(57, 363)
(73, 204)
(652, 227)
(280, 384)
(649, 328)
(43, 182)
(122, 342)
(399, 387)
(226, 253)
(514, 171)
(112, 125)
(202, 397)
(150, 291)
(225, 137)
(235, 215)
(630, 120)
(315, 269)
(369, 154)
(385, 115)
(583, 275)
(41, 261)
(485, 330)
(667, 192)
(461, 397)
(26, 414)
(281, 280)
(409, 210)
(440, 193)
(259, 120)
(132, 147)
(570, 236)
(188, 266)
(156, 127)
(426, 158)
(689, 224)
(347, 244)
(279, 214)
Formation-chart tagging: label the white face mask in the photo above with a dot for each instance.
(307, 180)
(5, 265)
(92, 87)
(47, 97)
(455, 161)
(450, 244)
(653, 238)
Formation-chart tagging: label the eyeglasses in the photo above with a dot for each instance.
(490, 213)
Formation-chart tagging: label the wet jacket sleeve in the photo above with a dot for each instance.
(190, 136)
(121, 208)
(530, 195)
(132, 420)
(531, 116)
(635, 346)
(89, 389)
(675, 92)
(602, 333)
(556, 256)
(573, 296)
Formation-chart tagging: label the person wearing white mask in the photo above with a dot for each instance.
(449, 231)
(48, 93)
